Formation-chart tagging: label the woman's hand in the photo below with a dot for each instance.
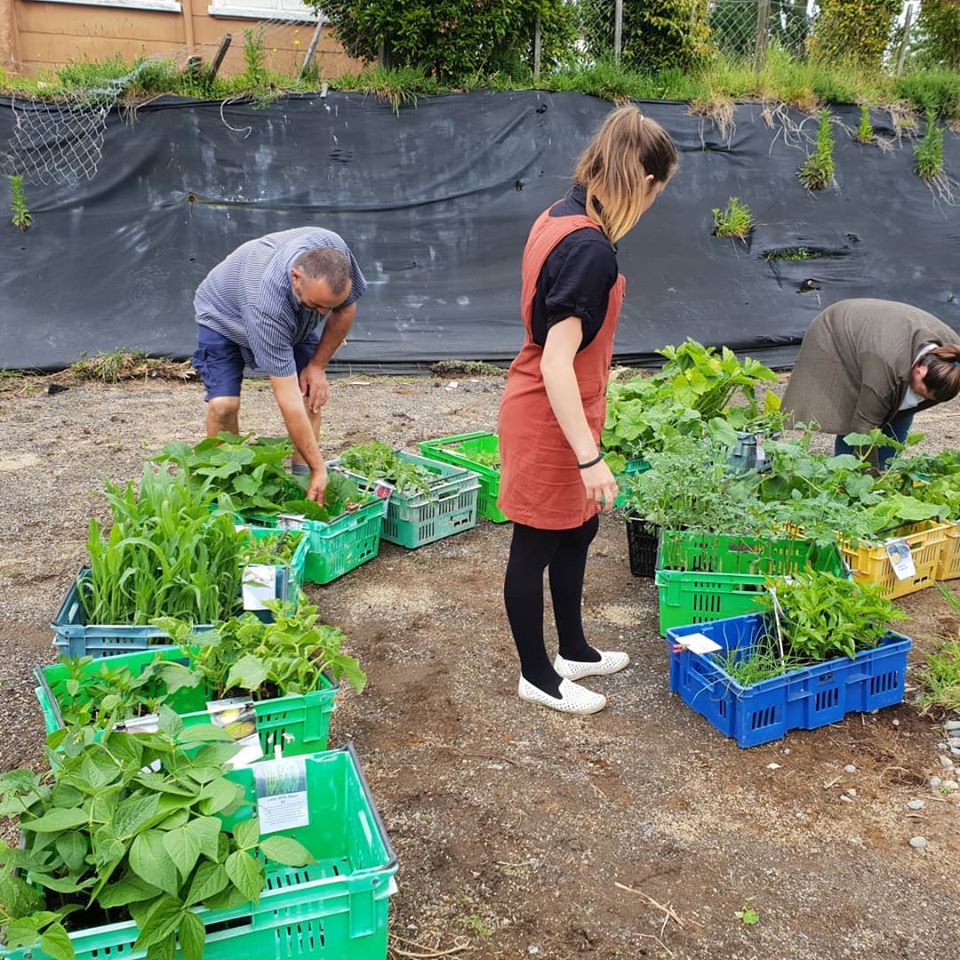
(600, 485)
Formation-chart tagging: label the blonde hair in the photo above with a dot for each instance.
(942, 378)
(614, 168)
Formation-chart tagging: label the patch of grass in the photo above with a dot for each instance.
(117, 365)
(817, 170)
(941, 679)
(935, 90)
(735, 221)
(20, 214)
(399, 87)
(928, 154)
(865, 127)
(476, 923)
(446, 368)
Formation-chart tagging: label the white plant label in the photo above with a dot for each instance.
(281, 794)
(290, 521)
(698, 643)
(901, 559)
(259, 584)
(237, 716)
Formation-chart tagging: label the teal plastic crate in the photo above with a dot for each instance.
(337, 547)
(415, 519)
(632, 468)
(467, 444)
(288, 578)
(335, 909)
(805, 698)
(297, 724)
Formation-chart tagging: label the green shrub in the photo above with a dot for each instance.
(854, 30)
(932, 90)
(816, 173)
(455, 39)
(735, 221)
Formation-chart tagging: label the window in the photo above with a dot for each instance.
(292, 10)
(170, 6)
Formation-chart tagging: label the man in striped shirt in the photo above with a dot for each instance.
(261, 308)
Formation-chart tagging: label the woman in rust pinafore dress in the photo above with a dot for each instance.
(554, 482)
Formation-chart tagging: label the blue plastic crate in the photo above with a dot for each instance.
(800, 700)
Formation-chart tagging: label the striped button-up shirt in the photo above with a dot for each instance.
(248, 298)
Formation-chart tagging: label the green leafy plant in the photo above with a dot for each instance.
(748, 916)
(275, 549)
(267, 660)
(378, 461)
(165, 555)
(817, 170)
(928, 154)
(939, 26)
(865, 127)
(858, 32)
(129, 827)
(734, 221)
(20, 213)
(486, 458)
(823, 616)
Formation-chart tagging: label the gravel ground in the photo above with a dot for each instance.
(521, 832)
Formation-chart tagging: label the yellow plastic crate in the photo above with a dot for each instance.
(870, 563)
(949, 566)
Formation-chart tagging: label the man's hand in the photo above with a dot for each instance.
(318, 483)
(314, 386)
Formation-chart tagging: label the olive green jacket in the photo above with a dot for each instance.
(854, 366)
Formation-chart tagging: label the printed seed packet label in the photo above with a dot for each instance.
(281, 794)
(259, 584)
(237, 716)
(901, 559)
(382, 490)
(698, 643)
(291, 521)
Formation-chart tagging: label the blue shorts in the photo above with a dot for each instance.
(220, 362)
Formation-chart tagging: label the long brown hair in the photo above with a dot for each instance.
(943, 374)
(614, 168)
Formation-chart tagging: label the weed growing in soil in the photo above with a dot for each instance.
(20, 214)
(865, 128)
(735, 221)
(791, 253)
(817, 170)
(928, 154)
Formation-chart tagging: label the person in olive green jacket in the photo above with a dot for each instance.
(872, 363)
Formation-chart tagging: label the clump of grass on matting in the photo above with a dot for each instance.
(928, 154)
(20, 213)
(865, 127)
(735, 221)
(817, 170)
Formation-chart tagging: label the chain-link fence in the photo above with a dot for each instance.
(747, 29)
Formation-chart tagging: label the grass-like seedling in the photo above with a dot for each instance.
(865, 127)
(817, 170)
(928, 154)
(20, 214)
(734, 221)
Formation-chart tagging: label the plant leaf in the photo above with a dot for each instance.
(151, 862)
(286, 850)
(21, 933)
(56, 820)
(160, 922)
(55, 942)
(131, 889)
(193, 935)
(247, 833)
(246, 874)
(132, 814)
(209, 880)
(248, 673)
(183, 847)
(72, 847)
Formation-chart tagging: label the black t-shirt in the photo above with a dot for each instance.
(576, 278)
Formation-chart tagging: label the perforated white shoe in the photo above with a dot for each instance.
(610, 662)
(573, 698)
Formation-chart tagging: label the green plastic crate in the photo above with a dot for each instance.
(337, 547)
(632, 468)
(696, 550)
(335, 909)
(415, 519)
(688, 597)
(297, 724)
(489, 476)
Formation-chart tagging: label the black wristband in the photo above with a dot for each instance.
(590, 463)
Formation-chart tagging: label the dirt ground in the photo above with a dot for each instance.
(636, 833)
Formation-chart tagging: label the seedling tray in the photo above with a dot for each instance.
(415, 519)
(871, 564)
(489, 476)
(297, 724)
(335, 909)
(74, 637)
(803, 699)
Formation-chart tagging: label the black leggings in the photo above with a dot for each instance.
(564, 552)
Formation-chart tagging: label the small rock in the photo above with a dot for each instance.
(951, 785)
(851, 792)
(918, 843)
(955, 751)
(946, 762)
(849, 768)
(943, 747)
(533, 949)
(951, 725)
(896, 723)
(773, 766)
(935, 782)
(915, 804)
(845, 798)
(786, 751)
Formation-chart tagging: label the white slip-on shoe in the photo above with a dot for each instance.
(573, 698)
(610, 662)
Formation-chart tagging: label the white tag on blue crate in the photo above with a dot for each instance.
(698, 643)
(901, 558)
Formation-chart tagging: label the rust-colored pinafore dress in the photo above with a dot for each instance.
(540, 483)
